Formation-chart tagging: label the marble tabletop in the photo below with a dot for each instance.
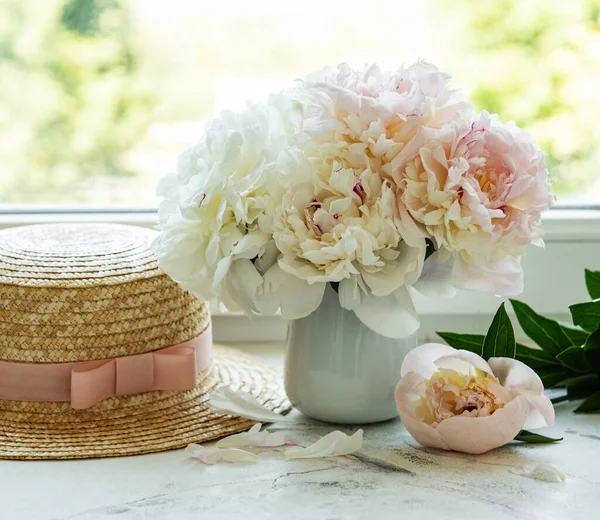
(391, 477)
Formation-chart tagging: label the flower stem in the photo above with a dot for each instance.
(560, 399)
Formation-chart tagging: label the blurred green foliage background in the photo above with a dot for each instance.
(70, 102)
(98, 96)
(538, 62)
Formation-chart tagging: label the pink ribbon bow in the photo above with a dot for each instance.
(87, 383)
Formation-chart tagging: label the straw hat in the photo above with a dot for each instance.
(81, 299)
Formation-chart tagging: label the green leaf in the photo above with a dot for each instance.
(500, 338)
(536, 357)
(554, 376)
(592, 282)
(471, 342)
(533, 357)
(429, 248)
(574, 358)
(582, 386)
(527, 436)
(592, 350)
(586, 315)
(591, 404)
(550, 335)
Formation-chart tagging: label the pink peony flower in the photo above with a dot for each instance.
(336, 221)
(368, 116)
(477, 189)
(455, 400)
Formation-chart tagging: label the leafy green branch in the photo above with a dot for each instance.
(566, 356)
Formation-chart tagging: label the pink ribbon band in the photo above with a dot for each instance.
(87, 383)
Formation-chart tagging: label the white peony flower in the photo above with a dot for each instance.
(336, 223)
(215, 218)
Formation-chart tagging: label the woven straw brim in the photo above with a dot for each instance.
(77, 256)
(143, 423)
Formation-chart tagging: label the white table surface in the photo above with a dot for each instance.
(391, 477)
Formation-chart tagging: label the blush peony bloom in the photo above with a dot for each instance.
(477, 190)
(337, 219)
(454, 400)
(378, 111)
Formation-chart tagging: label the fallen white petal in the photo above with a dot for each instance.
(333, 444)
(242, 404)
(214, 455)
(256, 437)
(544, 472)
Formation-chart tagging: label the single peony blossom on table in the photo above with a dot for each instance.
(477, 189)
(455, 400)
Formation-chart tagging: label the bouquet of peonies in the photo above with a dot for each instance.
(372, 181)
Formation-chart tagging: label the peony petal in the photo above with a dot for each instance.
(544, 472)
(503, 277)
(222, 268)
(515, 375)
(422, 359)
(404, 271)
(349, 293)
(295, 297)
(229, 300)
(332, 445)
(242, 404)
(406, 391)
(255, 437)
(412, 233)
(518, 377)
(250, 245)
(480, 434)
(302, 270)
(541, 412)
(461, 360)
(244, 282)
(423, 433)
(436, 277)
(393, 316)
(410, 151)
(268, 295)
(267, 257)
(212, 456)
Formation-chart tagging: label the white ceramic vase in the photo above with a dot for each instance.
(338, 370)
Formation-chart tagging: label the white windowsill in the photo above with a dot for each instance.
(559, 224)
(553, 277)
(146, 219)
